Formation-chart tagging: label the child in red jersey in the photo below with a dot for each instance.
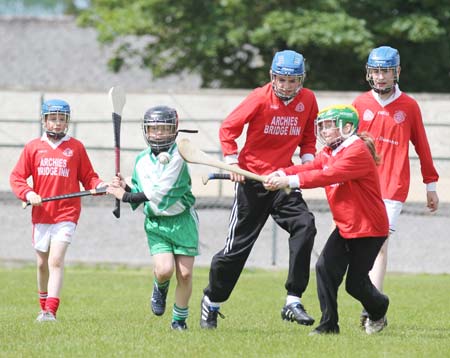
(57, 163)
(346, 168)
(394, 119)
(279, 118)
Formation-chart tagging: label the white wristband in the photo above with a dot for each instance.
(307, 158)
(231, 159)
(294, 181)
(29, 193)
(431, 186)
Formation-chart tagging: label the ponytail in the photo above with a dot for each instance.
(368, 140)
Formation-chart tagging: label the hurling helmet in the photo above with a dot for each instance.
(160, 128)
(383, 57)
(340, 115)
(287, 63)
(59, 107)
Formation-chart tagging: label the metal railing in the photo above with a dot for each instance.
(75, 124)
(208, 204)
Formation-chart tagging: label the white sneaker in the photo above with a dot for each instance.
(39, 317)
(375, 326)
(46, 316)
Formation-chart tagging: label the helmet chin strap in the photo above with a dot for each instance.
(336, 143)
(384, 90)
(55, 135)
(157, 150)
(285, 98)
(339, 140)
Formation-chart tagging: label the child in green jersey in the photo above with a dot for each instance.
(161, 181)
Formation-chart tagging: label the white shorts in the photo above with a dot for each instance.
(43, 234)
(393, 209)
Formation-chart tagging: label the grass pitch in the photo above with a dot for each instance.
(105, 312)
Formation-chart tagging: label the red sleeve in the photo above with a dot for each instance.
(87, 176)
(352, 165)
(314, 164)
(308, 144)
(233, 125)
(21, 172)
(422, 147)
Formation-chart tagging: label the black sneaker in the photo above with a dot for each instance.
(179, 325)
(296, 312)
(158, 300)
(363, 318)
(208, 315)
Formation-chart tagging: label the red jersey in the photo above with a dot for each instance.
(275, 129)
(55, 171)
(349, 175)
(393, 127)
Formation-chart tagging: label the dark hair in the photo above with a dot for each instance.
(369, 141)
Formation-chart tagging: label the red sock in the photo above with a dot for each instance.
(52, 305)
(42, 299)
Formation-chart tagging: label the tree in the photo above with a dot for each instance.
(420, 30)
(230, 43)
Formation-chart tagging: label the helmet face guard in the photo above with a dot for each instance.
(383, 58)
(289, 64)
(336, 118)
(56, 109)
(160, 128)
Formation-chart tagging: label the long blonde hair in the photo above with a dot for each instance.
(369, 141)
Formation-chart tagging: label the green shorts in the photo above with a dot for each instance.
(176, 234)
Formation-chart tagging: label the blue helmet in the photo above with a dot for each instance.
(287, 63)
(55, 106)
(383, 57)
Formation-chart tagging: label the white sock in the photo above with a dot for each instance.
(291, 299)
(212, 304)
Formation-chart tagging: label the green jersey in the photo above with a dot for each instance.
(169, 211)
(167, 186)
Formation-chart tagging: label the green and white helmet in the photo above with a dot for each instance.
(340, 115)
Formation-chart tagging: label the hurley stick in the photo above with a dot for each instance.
(192, 154)
(211, 176)
(118, 99)
(101, 190)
